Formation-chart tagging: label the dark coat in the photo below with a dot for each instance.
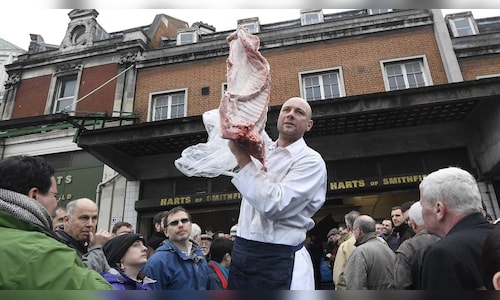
(454, 262)
(155, 240)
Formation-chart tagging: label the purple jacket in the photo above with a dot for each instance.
(121, 281)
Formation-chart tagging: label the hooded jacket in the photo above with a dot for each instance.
(32, 258)
(121, 281)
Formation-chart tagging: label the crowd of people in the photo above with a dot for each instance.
(442, 241)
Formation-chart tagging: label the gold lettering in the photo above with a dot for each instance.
(59, 179)
(163, 202)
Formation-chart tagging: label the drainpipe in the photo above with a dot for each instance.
(100, 185)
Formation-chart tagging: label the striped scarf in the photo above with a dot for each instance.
(25, 208)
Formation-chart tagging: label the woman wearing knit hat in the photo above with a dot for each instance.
(127, 254)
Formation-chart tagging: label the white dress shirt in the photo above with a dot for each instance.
(278, 205)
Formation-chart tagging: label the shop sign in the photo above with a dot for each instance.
(372, 183)
(200, 199)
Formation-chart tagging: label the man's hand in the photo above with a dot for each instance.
(242, 157)
(100, 237)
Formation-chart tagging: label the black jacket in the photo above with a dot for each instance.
(155, 240)
(453, 263)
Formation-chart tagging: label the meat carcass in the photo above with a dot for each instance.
(243, 107)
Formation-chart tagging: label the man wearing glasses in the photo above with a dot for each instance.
(178, 264)
(32, 258)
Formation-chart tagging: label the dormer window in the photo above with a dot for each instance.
(187, 37)
(79, 35)
(308, 17)
(463, 26)
(251, 24)
(377, 11)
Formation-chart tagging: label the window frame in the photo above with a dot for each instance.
(52, 99)
(378, 11)
(319, 72)
(488, 76)
(254, 25)
(152, 104)
(470, 20)
(422, 59)
(305, 13)
(192, 32)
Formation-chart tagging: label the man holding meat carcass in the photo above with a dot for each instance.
(277, 207)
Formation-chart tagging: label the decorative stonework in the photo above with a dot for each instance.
(13, 80)
(68, 67)
(129, 58)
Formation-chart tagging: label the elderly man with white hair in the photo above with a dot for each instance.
(410, 254)
(452, 209)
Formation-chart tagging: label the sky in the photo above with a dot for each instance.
(51, 24)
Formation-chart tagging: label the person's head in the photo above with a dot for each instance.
(379, 229)
(210, 230)
(333, 235)
(58, 218)
(220, 251)
(447, 196)
(405, 209)
(126, 250)
(387, 223)
(177, 224)
(343, 229)
(349, 219)
(31, 176)
(195, 234)
(293, 121)
(158, 221)
(490, 260)
(397, 216)
(363, 225)
(205, 244)
(220, 234)
(415, 219)
(81, 218)
(121, 228)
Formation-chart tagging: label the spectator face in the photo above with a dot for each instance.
(178, 227)
(342, 230)
(123, 229)
(379, 229)
(387, 227)
(58, 219)
(397, 217)
(430, 218)
(205, 246)
(49, 200)
(136, 255)
(83, 221)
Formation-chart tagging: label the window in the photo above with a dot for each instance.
(65, 94)
(168, 106)
(224, 88)
(406, 74)
(252, 24)
(252, 27)
(462, 26)
(308, 17)
(187, 37)
(79, 35)
(377, 11)
(323, 85)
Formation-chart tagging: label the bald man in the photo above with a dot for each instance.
(277, 207)
(80, 223)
